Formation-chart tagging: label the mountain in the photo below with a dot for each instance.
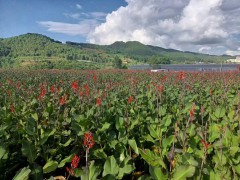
(38, 51)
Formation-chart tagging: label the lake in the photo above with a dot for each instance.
(190, 67)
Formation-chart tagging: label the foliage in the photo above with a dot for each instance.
(36, 49)
(119, 124)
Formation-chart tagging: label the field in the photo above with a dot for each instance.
(119, 124)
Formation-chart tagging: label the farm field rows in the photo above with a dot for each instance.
(119, 124)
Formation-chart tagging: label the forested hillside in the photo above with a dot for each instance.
(34, 51)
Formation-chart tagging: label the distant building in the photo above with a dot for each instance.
(237, 60)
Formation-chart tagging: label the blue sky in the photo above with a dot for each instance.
(205, 26)
(23, 16)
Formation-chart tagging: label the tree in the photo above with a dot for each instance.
(155, 61)
(117, 63)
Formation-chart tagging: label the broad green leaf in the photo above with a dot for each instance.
(156, 173)
(183, 172)
(66, 160)
(119, 123)
(31, 126)
(29, 151)
(46, 135)
(151, 158)
(94, 171)
(152, 132)
(50, 166)
(105, 126)
(127, 169)
(133, 145)
(110, 166)
(23, 174)
(220, 112)
(166, 142)
(99, 153)
(214, 176)
(37, 172)
(3, 153)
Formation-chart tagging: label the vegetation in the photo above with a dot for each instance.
(155, 61)
(119, 124)
(34, 50)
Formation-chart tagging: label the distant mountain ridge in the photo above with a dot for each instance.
(32, 47)
(135, 48)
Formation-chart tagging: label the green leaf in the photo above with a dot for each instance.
(31, 126)
(168, 141)
(37, 172)
(46, 135)
(105, 126)
(50, 166)
(156, 173)
(183, 172)
(214, 176)
(94, 171)
(3, 153)
(99, 153)
(127, 169)
(133, 145)
(110, 166)
(151, 158)
(23, 174)
(220, 112)
(66, 160)
(119, 123)
(29, 151)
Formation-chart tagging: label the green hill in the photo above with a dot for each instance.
(39, 51)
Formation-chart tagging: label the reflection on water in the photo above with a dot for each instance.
(190, 67)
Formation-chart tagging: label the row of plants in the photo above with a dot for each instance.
(119, 124)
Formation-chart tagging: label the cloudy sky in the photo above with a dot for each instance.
(207, 26)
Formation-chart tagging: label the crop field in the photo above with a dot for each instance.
(119, 124)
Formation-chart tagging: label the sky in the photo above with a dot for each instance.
(205, 26)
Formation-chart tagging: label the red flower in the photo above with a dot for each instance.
(88, 140)
(12, 108)
(74, 85)
(181, 75)
(42, 93)
(74, 165)
(205, 144)
(63, 100)
(160, 88)
(19, 85)
(98, 102)
(87, 90)
(53, 90)
(75, 161)
(130, 99)
(192, 111)
(95, 78)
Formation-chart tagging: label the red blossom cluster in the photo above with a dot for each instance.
(63, 100)
(75, 85)
(43, 91)
(192, 111)
(87, 90)
(74, 165)
(181, 75)
(205, 144)
(130, 99)
(88, 140)
(98, 102)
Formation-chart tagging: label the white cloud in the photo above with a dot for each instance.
(83, 28)
(233, 53)
(78, 6)
(204, 49)
(73, 15)
(180, 24)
